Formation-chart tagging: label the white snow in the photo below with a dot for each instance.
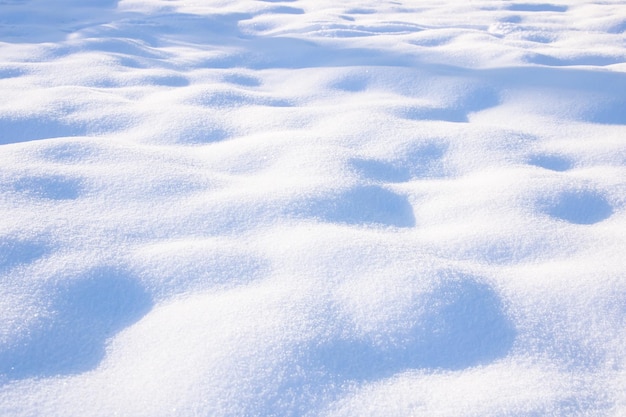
(312, 208)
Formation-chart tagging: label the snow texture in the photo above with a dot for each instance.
(312, 208)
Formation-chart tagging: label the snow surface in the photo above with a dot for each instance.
(312, 208)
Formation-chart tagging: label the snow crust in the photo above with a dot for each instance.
(312, 208)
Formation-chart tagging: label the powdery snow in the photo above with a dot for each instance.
(312, 208)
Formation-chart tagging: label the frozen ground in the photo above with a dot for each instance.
(312, 208)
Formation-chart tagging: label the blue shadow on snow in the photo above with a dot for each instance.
(364, 205)
(479, 99)
(530, 7)
(14, 252)
(464, 326)
(15, 130)
(425, 161)
(51, 187)
(29, 21)
(551, 162)
(84, 313)
(460, 324)
(580, 207)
